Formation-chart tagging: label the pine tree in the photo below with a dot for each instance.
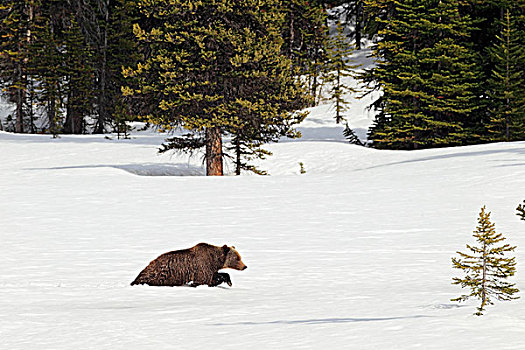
(246, 147)
(121, 52)
(78, 73)
(354, 17)
(16, 21)
(122, 116)
(521, 211)
(486, 268)
(305, 34)
(507, 92)
(101, 10)
(48, 69)
(427, 73)
(215, 68)
(341, 67)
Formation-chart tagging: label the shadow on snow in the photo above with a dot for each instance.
(516, 151)
(146, 169)
(321, 321)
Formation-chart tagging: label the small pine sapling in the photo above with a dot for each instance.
(122, 117)
(521, 211)
(341, 66)
(486, 268)
(302, 170)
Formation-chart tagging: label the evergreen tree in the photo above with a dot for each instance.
(247, 147)
(78, 73)
(102, 8)
(377, 14)
(116, 49)
(507, 92)
(340, 66)
(214, 68)
(305, 34)
(427, 73)
(107, 26)
(48, 69)
(354, 17)
(521, 211)
(122, 52)
(122, 116)
(16, 21)
(486, 268)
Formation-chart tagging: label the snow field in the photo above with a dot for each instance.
(353, 254)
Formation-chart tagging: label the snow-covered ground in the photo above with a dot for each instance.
(354, 254)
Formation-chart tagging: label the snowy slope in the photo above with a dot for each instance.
(354, 254)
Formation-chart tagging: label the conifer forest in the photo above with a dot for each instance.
(262, 174)
(449, 72)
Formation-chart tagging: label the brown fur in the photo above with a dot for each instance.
(197, 265)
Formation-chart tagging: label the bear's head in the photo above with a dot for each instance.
(233, 259)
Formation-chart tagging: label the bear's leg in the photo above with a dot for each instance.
(220, 277)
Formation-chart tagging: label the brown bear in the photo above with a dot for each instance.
(194, 266)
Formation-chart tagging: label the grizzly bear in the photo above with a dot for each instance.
(194, 266)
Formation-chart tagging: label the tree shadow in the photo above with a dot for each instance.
(324, 134)
(145, 169)
(515, 151)
(321, 321)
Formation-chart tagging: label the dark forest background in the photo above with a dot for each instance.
(450, 72)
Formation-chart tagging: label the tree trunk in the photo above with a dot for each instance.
(358, 25)
(102, 108)
(20, 97)
(73, 123)
(20, 94)
(292, 33)
(21, 73)
(51, 116)
(507, 77)
(31, 113)
(484, 278)
(338, 98)
(238, 163)
(68, 123)
(28, 81)
(213, 152)
(314, 88)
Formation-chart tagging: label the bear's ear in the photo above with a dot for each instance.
(225, 249)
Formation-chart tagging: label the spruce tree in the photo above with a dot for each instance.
(16, 21)
(521, 211)
(507, 92)
(486, 268)
(305, 34)
(48, 70)
(121, 52)
(341, 67)
(427, 73)
(354, 17)
(78, 73)
(214, 68)
(122, 116)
